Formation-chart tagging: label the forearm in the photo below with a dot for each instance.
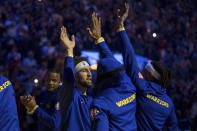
(103, 48)
(130, 61)
(52, 121)
(66, 91)
(128, 53)
(69, 67)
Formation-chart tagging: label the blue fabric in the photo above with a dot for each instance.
(107, 65)
(155, 108)
(8, 109)
(114, 97)
(75, 116)
(48, 114)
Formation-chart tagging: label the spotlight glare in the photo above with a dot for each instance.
(154, 35)
(35, 81)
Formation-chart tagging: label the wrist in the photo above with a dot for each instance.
(31, 110)
(69, 52)
(120, 28)
(99, 40)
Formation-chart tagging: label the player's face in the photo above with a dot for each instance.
(52, 81)
(84, 77)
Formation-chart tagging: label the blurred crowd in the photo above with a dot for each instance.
(30, 43)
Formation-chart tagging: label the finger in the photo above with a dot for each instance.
(127, 7)
(96, 15)
(29, 97)
(89, 31)
(118, 12)
(99, 20)
(93, 14)
(25, 98)
(21, 97)
(64, 32)
(72, 38)
(96, 20)
(93, 19)
(125, 15)
(61, 31)
(32, 97)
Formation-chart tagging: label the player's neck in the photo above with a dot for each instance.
(82, 89)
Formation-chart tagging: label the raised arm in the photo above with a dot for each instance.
(128, 53)
(66, 91)
(95, 34)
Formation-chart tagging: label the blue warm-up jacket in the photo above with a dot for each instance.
(114, 96)
(8, 109)
(155, 109)
(75, 107)
(48, 113)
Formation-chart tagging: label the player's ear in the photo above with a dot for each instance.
(60, 83)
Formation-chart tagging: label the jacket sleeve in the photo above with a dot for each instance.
(52, 121)
(100, 122)
(66, 91)
(130, 61)
(104, 50)
(172, 122)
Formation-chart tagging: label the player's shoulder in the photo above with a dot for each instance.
(101, 102)
(2, 78)
(76, 94)
(169, 99)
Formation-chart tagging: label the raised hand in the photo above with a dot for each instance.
(24, 100)
(95, 33)
(68, 44)
(121, 18)
(28, 101)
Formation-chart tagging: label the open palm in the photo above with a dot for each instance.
(95, 33)
(123, 17)
(68, 44)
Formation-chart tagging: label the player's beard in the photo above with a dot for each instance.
(87, 84)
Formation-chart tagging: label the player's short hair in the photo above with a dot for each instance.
(78, 59)
(164, 72)
(53, 70)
